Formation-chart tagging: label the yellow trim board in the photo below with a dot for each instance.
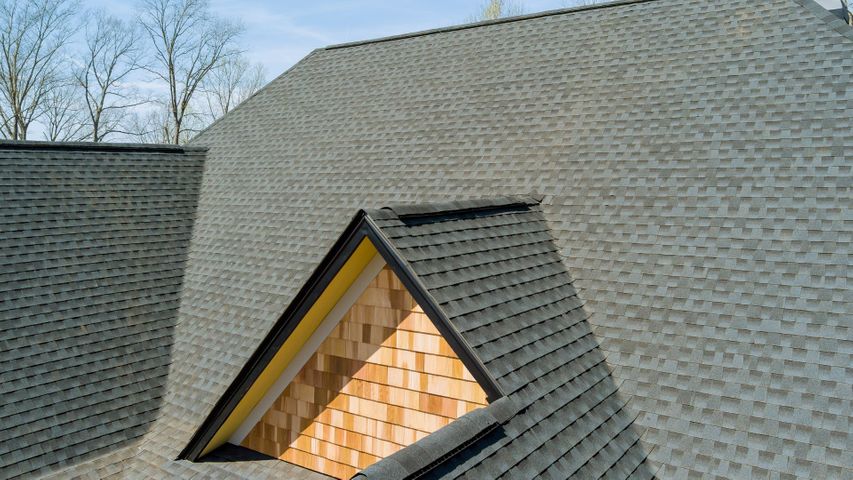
(333, 318)
(337, 287)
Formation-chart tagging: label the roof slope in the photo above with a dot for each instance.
(492, 267)
(489, 275)
(694, 158)
(93, 241)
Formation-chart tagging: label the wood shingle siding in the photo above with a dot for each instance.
(383, 379)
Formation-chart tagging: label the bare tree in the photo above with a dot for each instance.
(188, 42)
(231, 83)
(494, 9)
(111, 55)
(582, 3)
(63, 117)
(32, 35)
(151, 125)
(154, 123)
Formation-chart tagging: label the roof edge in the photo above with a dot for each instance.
(266, 86)
(832, 20)
(99, 147)
(484, 23)
(281, 329)
(435, 313)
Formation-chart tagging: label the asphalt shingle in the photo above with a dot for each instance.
(694, 161)
(558, 426)
(693, 158)
(94, 240)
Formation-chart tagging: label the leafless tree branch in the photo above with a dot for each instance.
(111, 55)
(64, 117)
(188, 42)
(228, 85)
(32, 35)
(494, 9)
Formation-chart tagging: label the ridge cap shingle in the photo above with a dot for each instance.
(487, 23)
(433, 209)
(815, 8)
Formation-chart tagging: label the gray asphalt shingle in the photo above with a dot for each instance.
(94, 239)
(558, 425)
(694, 161)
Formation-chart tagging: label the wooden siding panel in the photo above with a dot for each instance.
(383, 379)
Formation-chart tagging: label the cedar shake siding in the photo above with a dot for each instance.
(383, 379)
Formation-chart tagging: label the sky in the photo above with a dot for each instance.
(280, 33)
(829, 4)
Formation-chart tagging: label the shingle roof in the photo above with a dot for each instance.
(694, 161)
(93, 241)
(492, 267)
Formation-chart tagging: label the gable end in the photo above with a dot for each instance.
(353, 251)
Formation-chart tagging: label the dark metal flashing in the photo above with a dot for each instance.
(360, 227)
(409, 213)
(99, 147)
(485, 23)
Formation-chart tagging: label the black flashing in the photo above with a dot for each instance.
(99, 147)
(409, 212)
(430, 306)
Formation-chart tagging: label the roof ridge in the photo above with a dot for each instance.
(432, 209)
(98, 146)
(486, 23)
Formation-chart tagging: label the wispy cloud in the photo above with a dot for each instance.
(267, 20)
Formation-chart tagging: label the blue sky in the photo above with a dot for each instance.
(279, 33)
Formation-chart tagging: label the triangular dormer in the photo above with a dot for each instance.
(361, 365)
(387, 363)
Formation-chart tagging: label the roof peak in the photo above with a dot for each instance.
(486, 23)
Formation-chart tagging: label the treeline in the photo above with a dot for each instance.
(82, 75)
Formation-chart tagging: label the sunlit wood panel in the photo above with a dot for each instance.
(383, 379)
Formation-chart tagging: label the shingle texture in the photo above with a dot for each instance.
(494, 270)
(695, 162)
(93, 241)
(694, 158)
